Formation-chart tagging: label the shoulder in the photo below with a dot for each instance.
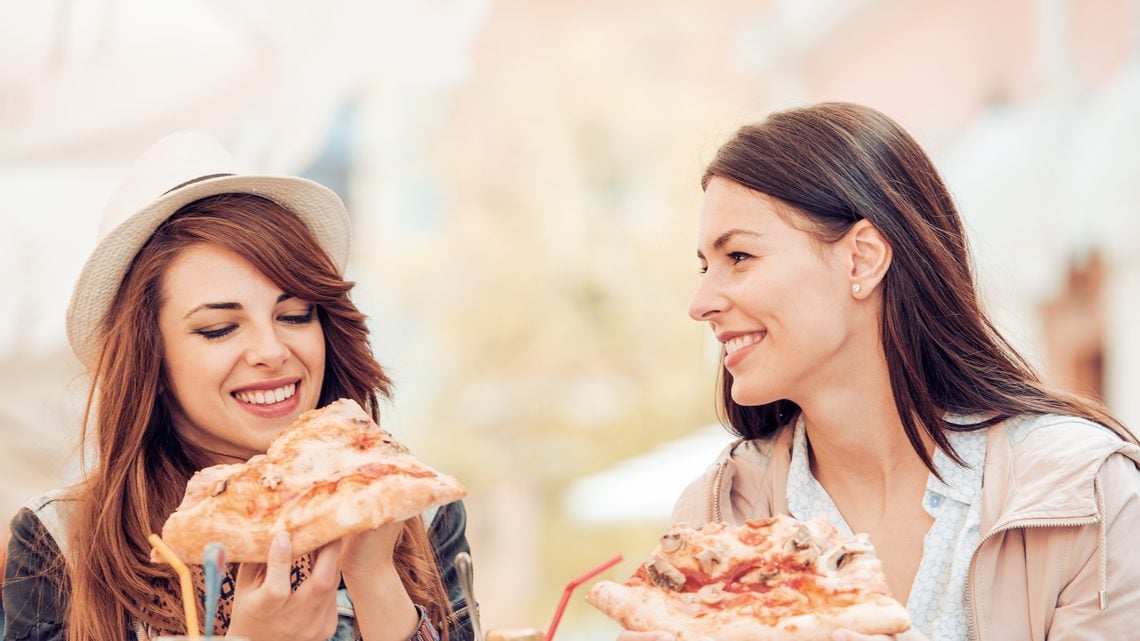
(446, 519)
(743, 463)
(1050, 465)
(1062, 440)
(1055, 428)
(51, 512)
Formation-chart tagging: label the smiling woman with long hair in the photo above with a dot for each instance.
(191, 300)
(868, 387)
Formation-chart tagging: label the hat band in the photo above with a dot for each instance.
(195, 180)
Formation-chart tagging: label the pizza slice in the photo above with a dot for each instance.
(768, 580)
(333, 472)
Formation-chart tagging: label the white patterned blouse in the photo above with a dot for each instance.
(937, 598)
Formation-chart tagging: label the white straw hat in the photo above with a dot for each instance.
(178, 170)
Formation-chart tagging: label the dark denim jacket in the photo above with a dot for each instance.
(35, 607)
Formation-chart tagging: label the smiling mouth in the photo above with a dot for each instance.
(267, 397)
(740, 342)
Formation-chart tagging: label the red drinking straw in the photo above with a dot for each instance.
(570, 588)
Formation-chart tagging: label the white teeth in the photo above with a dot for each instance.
(733, 344)
(266, 397)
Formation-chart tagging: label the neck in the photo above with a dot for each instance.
(856, 435)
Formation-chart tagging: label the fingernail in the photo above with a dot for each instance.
(281, 540)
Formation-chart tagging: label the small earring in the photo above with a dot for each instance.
(856, 288)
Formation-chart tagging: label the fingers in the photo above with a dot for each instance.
(325, 572)
(278, 567)
(847, 635)
(249, 574)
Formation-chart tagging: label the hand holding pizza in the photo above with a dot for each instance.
(384, 608)
(336, 483)
(266, 607)
(370, 551)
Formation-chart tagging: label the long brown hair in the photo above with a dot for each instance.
(142, 466)
(838, 163)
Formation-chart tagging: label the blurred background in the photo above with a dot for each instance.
(523, 179)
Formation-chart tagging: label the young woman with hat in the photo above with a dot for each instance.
(211, 314)
(867, 386)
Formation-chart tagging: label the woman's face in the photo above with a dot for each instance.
(776, 299)
(243, 359)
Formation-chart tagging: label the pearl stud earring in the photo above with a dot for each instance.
(856, 288)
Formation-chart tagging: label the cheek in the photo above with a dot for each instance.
(311, 349)
(193, 366)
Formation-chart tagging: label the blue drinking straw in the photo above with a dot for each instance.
(214, 558)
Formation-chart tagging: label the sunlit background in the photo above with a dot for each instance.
(523, 180)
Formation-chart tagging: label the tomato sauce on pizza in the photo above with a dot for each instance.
(772, 579)
(333, 472)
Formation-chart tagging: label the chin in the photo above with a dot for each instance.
(741, 395)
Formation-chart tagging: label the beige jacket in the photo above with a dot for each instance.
(1058, 558)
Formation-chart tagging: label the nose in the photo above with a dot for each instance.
(708, 300)
(266, 348)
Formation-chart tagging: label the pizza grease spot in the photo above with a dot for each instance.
(366, 439)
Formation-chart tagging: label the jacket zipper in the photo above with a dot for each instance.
(971, 609)
(714, 500)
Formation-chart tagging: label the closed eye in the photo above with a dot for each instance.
(211, 333)
(302, 318)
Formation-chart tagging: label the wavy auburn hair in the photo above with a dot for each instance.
(837, 163)
(142, 465)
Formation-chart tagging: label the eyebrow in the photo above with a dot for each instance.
(280, 299)
(723, 239)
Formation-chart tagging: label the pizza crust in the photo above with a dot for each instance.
(332, 473)
(774, 579)
(647, 609)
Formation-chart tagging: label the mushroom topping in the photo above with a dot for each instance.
(806, 556)
(802, 537)
(664, 575)
(708, 559)
(220, 487)
(838, 558)
(798, 541)
(671, 542)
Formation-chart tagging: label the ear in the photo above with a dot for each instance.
(868, 256)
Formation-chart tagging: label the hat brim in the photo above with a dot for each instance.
(317, 206)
